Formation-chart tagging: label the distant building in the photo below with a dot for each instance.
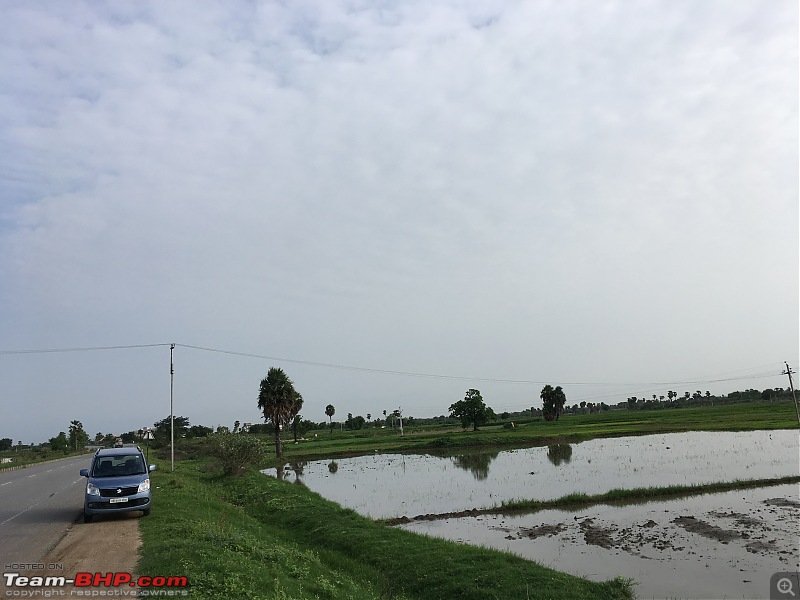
(246, 427)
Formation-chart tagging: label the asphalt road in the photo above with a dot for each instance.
(37, 505)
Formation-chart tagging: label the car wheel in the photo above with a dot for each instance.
(87, 518)
(145, 512)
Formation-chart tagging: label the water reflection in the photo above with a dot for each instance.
(391, 485)
(558, 453)
(298, 467)
(282, 471)
(476, 463)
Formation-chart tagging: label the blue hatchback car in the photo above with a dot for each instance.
(118, 481)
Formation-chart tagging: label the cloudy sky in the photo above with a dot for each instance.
(602, 195)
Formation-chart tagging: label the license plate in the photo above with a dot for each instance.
(117, 500)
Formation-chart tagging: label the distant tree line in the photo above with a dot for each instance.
(699, 398)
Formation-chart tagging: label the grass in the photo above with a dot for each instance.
(636, 495)
(257, 537)
(31, 457)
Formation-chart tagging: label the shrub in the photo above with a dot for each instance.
(236, 452)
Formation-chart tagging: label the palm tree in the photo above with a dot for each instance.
(330, 411)
(279, 402)
(295, 424)
(553, 400)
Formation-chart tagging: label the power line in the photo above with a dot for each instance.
(82, 349)
(393, 371)
(463, 378)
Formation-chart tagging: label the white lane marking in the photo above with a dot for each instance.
(34, 475)
(6, 483)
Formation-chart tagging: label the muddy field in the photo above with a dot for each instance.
(715, 546)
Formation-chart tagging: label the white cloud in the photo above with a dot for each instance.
(551, 190)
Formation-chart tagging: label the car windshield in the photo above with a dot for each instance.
(118, 465)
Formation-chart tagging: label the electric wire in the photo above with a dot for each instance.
(79, 349)
(630, 385)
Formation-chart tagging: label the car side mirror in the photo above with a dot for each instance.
(84, 472)
(152, 467)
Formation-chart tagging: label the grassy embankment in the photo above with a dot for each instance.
(570, 428)
(257, 537)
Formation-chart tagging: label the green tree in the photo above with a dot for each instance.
(279, 402)
(198, 431)
(59, 443)
(6, 443)
(296, 425)
(129, 437)
(330, 411)
(161, 430)
(472, 409)
(553, 399)
(78, 438)
(356, 422)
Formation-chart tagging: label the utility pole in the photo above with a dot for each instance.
(171, 411)
(789, 372)
(400, 414)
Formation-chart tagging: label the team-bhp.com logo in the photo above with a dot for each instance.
(28, 586)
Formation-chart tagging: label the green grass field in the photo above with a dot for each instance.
(570, 428)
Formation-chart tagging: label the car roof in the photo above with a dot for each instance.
(118, 451)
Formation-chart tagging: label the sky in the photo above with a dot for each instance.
(498, 195)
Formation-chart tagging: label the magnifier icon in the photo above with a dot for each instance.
(785, 586)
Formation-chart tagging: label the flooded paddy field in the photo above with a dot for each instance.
(724, 545)
(395, 485)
